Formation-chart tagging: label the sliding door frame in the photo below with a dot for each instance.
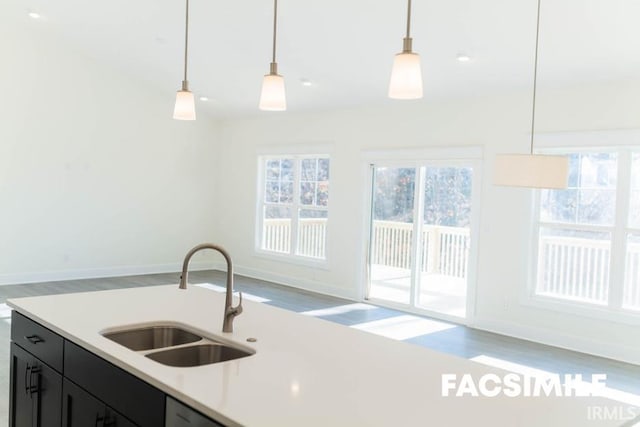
(432, 157)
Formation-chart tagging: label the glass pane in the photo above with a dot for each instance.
(273, 169)
(392, 231)
(574, 265)
(286, 172)
(308, 170)
(286, 192)
(323, 169)
(445, 240)
(447, 197)
(631, 299)
(278, 187)
(559, 205)
(272, 192)
(322, 197)
(394, 193)
(596, 207)
(634, 207)
(591, 196)
(307, 193)
(312, 231)
(314, 182)
(276, 229)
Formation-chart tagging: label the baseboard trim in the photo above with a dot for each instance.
(96, 273)
(623, 353)
(296, 283)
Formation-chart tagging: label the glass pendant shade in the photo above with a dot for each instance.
(531, 170)
(273, 96)
(406, 77)
(185, 108)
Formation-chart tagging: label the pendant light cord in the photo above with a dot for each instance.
(275, 29)
(535, 78)
(186, 41)
(408, 18)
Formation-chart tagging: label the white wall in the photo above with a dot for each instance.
(500, 125)
(96, 179)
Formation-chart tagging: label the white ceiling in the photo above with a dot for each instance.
(346, 47)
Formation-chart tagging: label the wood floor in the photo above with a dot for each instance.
(441, 336)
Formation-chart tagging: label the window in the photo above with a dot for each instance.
(589, 234)
(293, 208)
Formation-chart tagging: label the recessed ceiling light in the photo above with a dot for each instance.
(204, 99)
(34, 15)
(306, 82)
(463, 57)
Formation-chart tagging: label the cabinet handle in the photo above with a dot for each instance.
(26, 375)
(28, 380)
(33, 339)
(99, 419)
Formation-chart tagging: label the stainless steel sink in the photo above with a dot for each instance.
(152, 337)
(174, 346)
(197, 355)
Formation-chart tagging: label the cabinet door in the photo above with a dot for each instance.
(180, 415)
(79, 408)
(35, 391)
(137, 400)
(114, 419)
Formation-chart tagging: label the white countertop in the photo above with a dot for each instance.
(306, 371)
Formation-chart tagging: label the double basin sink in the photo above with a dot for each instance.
(175, 346)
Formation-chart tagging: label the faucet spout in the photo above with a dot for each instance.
(230, 312)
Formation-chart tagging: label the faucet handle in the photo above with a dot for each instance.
(238, 308)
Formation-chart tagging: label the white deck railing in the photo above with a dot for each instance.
(574, 268)
(276, 236)
(445, 250)
(578, 269)
(632, 281)
(571, 268)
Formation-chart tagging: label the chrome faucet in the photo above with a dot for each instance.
(229, 310)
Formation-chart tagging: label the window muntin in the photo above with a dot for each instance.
(294, 208)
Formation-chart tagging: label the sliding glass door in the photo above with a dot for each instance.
(420, 242)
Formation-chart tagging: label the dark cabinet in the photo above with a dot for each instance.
(35, 391)
(56, 383)
(127, 394)
(180, 415)
(80, 409)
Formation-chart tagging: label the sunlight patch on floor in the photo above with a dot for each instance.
(219, 288)
(404, 327)
(608, 392)
(340, 309)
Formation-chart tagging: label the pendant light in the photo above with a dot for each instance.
(273, 97)
(532, 170)
(185, 108)
(406, 75)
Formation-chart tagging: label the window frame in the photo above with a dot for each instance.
(292, 257)
(583, 142)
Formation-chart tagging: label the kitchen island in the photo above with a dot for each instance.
(305, 371)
